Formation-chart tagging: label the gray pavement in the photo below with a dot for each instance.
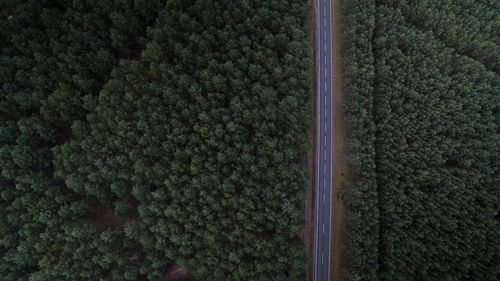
(324, 141)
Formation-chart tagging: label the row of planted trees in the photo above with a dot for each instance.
(434, 104)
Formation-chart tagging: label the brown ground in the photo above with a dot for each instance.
(107, 218)
(310, 160)
(340, 170)
(176, 273)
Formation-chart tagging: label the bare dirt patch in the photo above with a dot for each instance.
(340, 169)
(176, 273)
(107, 218)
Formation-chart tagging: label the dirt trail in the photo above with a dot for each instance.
(340, 170)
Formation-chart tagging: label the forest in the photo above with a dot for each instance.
(423, 111)
(138, 134)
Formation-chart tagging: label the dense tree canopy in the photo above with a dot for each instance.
(435, 94)
(185, 120)
(361, 199)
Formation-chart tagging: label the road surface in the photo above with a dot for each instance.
(324, 141)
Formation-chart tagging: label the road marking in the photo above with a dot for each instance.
(318, 26)
(331, 52)
(323, 154)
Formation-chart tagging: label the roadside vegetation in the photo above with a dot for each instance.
(185, 119)
(423, 91)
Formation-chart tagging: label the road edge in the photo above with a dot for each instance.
(340, 168)
(310, 225)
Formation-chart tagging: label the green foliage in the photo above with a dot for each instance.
(435, 97)
(206, 133)
(138, 133)
(54, 54)
(437, 141)
(470, 27)
(362, 201)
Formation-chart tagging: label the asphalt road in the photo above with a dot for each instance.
(324, 141)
